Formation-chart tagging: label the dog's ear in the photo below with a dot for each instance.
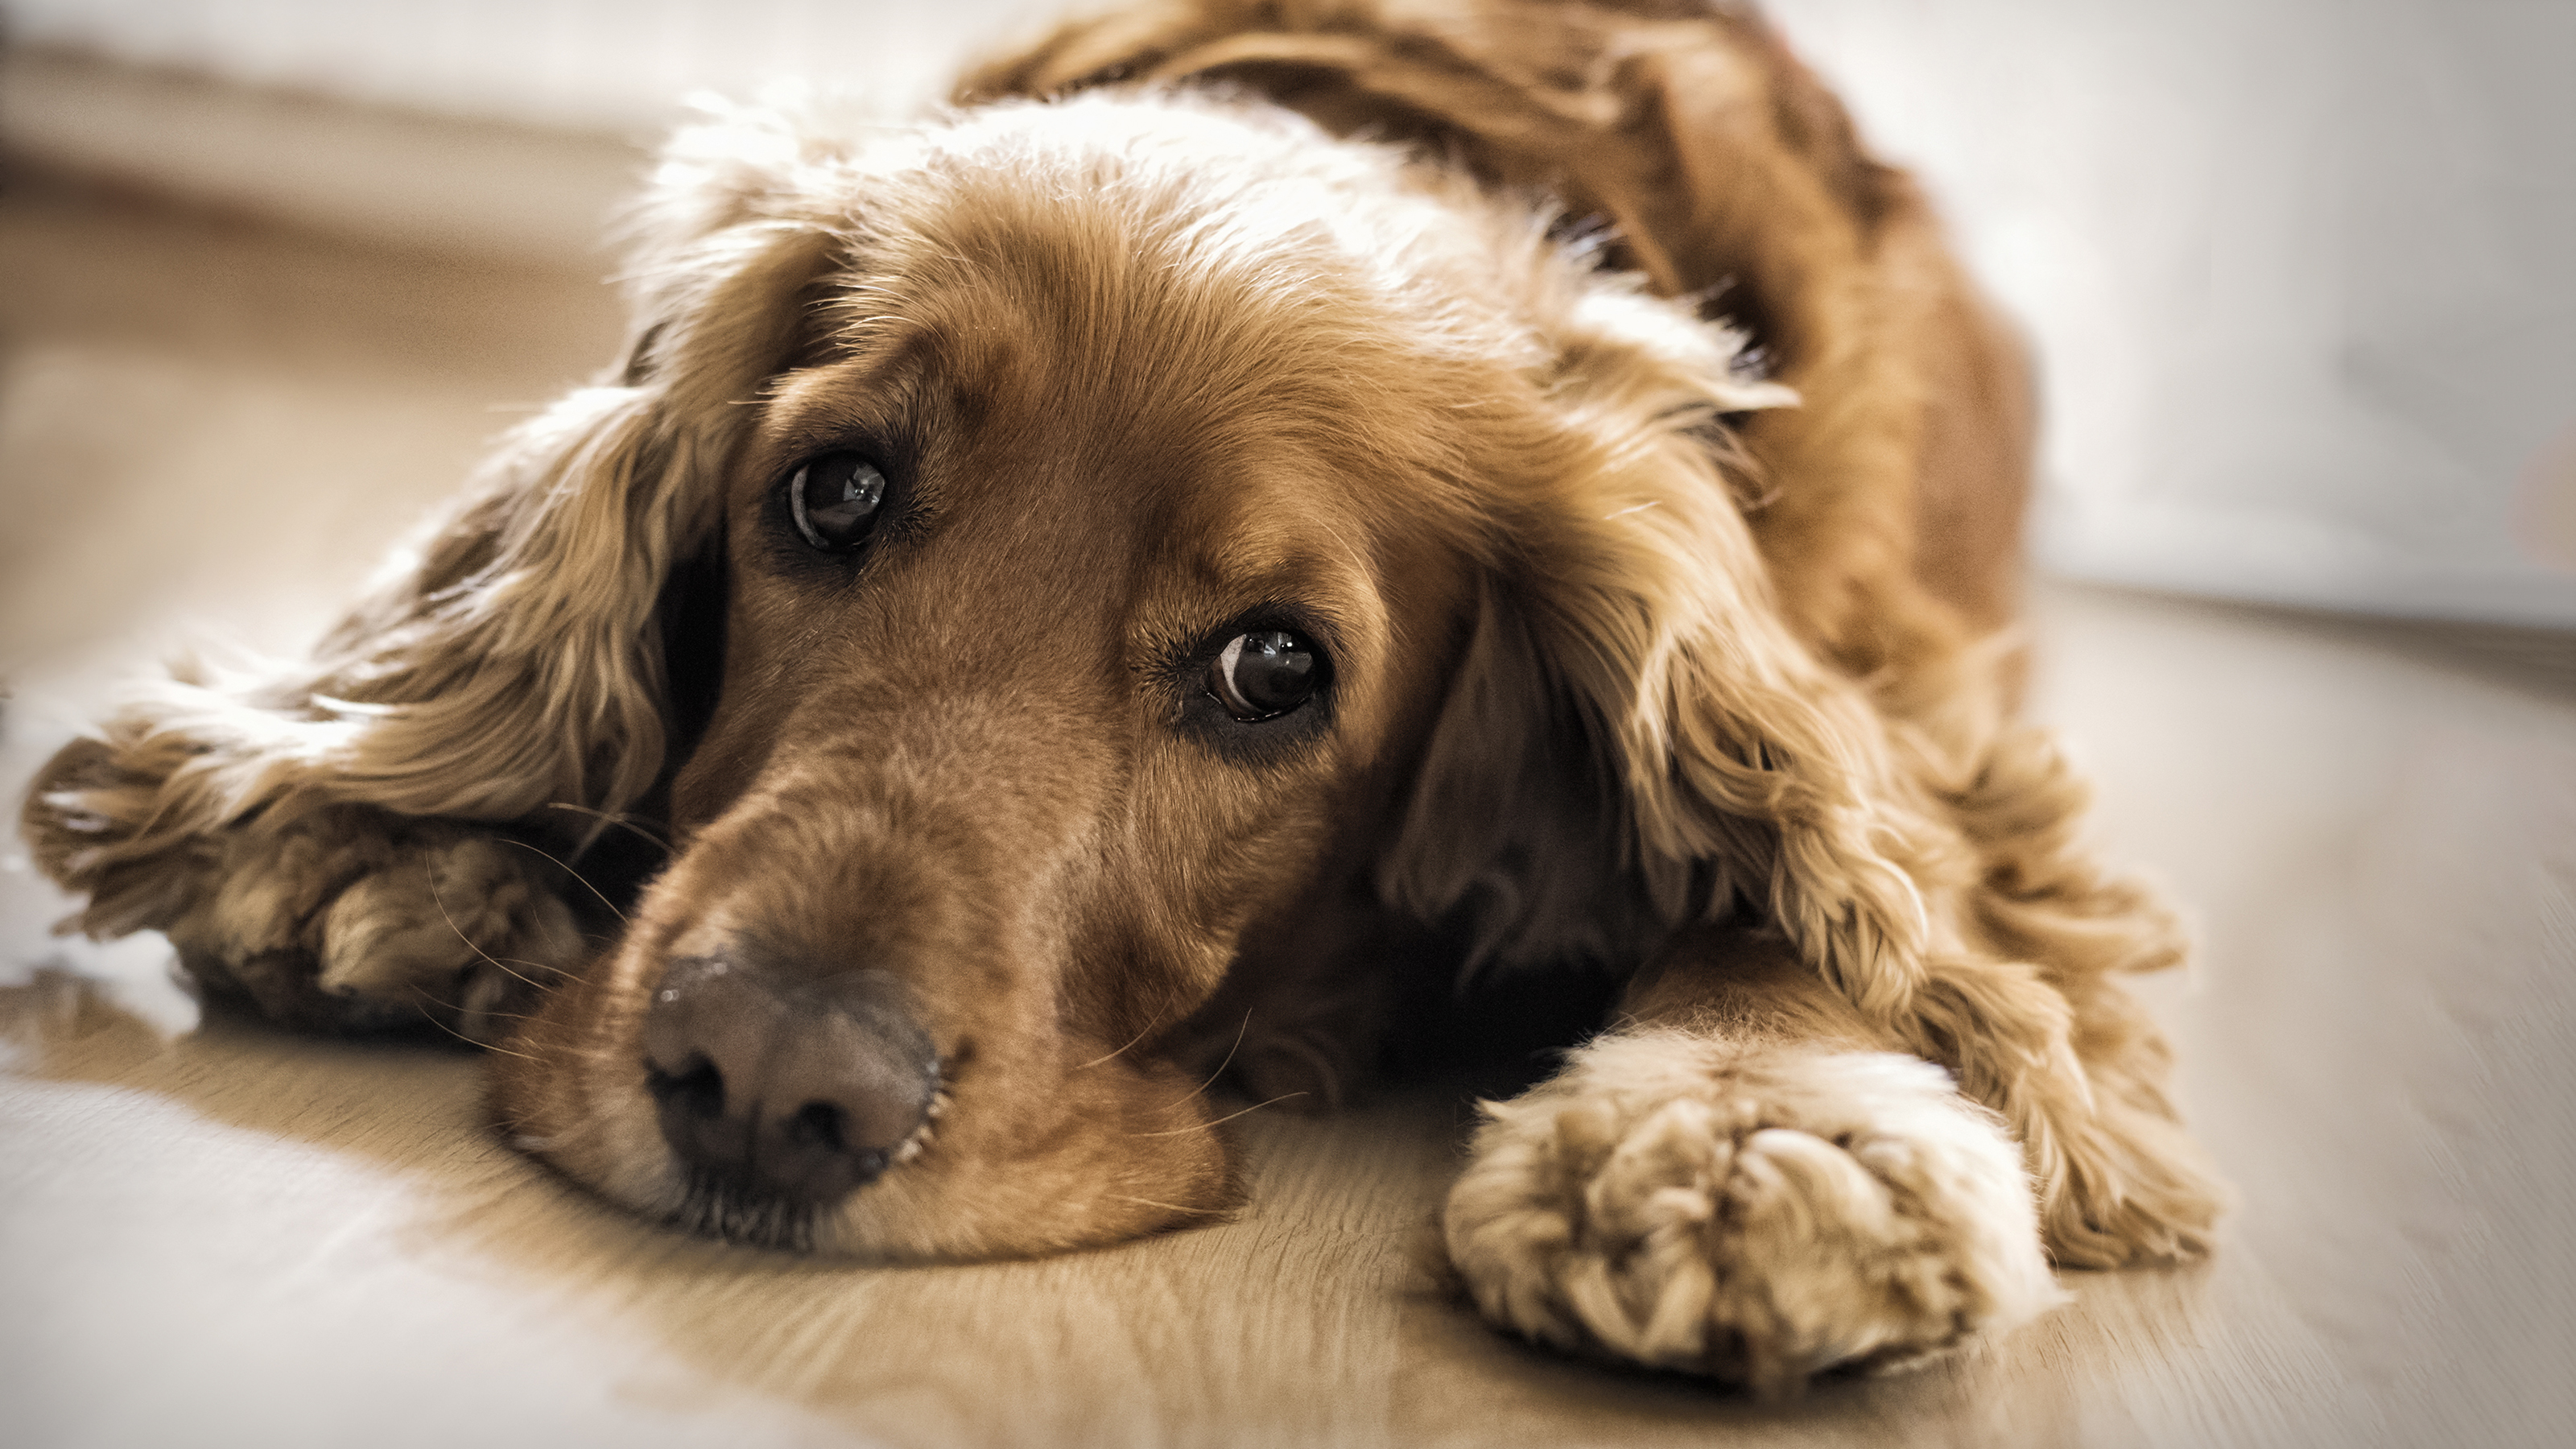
(1637, 738)
(519, 656)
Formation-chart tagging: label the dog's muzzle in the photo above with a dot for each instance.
(785, 1086)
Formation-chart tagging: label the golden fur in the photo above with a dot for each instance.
(1677, 646)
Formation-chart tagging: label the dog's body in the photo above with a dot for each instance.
(1099, 588)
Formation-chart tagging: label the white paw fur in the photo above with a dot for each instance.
(1754, 1212)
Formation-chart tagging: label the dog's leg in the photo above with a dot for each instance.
(1739, 1180)
(356, 920)
(342, 918)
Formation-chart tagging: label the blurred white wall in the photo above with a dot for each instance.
(2302, 272)
(600, 65)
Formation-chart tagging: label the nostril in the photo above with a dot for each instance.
(820, 1124)
(697, 1088)
(824, 1151)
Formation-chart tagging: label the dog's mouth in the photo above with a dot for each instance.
(714, 1206)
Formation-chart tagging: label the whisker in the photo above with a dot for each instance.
(469, 1041)
(421, 993)
(1140, 1036)
(1220, 1067)
(1221, 1121)
(621, 821)
(432, 872)
(1165, 1206)
(568, 870)
(460, 1010)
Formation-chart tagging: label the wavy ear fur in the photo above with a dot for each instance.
(1636, 739)
(515, 659)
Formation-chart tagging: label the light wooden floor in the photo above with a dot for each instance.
(216, 1234)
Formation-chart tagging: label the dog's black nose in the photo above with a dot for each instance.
(797, 1089)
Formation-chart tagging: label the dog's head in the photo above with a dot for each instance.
(1039, 555)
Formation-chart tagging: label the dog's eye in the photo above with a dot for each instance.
(1264, 674)
(835, 497)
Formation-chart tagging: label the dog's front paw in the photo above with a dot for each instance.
(1754, 1213)
(355, 920)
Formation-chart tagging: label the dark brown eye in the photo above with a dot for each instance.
(1265, 674)
(835, 497)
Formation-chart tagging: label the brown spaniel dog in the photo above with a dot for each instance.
(1266, 502)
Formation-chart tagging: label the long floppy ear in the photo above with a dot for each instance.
(515, 659)
(1636, 738)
